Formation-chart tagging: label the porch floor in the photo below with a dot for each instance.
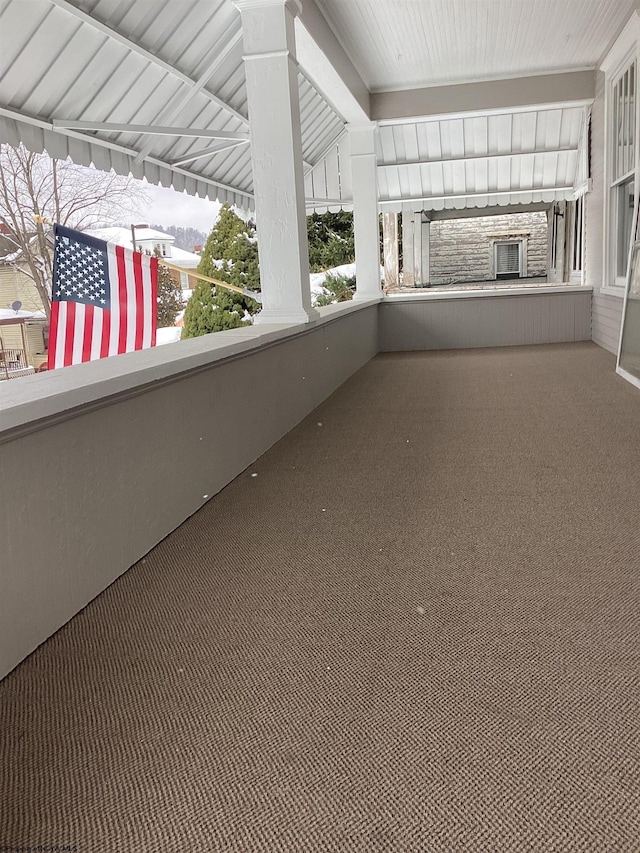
(418, 628)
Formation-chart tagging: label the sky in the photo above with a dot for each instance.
(165, 206)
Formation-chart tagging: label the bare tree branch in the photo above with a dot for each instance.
(33, 185)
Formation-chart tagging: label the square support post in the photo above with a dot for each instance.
(390, 250)
(365, 211)
(271, 71)
(408, 249)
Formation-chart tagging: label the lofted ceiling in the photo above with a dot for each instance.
(157, 88)
(411, 43)
(105, 82)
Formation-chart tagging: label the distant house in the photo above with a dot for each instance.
(147, 239)
(28, 338)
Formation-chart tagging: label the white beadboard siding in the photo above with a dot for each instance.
(401, 45)
(605, 320)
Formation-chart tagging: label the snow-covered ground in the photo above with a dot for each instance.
(317, 278)
(168, 335)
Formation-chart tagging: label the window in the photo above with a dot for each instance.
(508, 259)
(623, 120)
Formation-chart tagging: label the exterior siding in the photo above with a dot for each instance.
(492, 321)
(606, 309)
(14, 284)
(605, 321)
(462, 250)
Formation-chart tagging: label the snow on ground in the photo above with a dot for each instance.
(168, 335)
(317, 278)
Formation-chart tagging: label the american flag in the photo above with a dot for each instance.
(103, 301)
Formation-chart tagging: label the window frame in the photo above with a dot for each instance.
(624, 54)
(508, 242)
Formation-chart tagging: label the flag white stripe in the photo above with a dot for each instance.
(61, 334)
(147, 301)
(78, 333)
(96, 340)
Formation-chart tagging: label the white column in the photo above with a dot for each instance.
(426, 246)
(365, 211)
(417, 249)
(390, 249)
(408, 257)
(271, 72)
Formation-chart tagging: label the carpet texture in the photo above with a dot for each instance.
(417, 629)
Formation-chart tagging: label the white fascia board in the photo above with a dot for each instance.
(326, 64)
(570, 88)
(625, 44)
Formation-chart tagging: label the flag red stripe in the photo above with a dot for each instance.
(87, 336)
(53, 335)
(106, 333)
(140, 312)
(70, 333)
(119, 299)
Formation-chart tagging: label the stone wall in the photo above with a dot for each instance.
(462, 249)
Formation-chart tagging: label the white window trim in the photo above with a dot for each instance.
(622, 54)
(577, 275)
(522, 239)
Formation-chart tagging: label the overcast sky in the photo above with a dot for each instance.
(167, 207)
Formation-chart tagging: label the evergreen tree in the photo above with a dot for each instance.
(331, 241)
(337, 288)
(169, 295)
(230, 254)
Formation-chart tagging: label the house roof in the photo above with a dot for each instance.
(158, 89)
(122, 236)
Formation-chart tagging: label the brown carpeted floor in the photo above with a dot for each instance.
(417, 629)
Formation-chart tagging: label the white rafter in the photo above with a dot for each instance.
(152, 130)
(207, 152)
(568, 149)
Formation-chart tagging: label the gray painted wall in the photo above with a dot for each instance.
(479, 321)
(84, 497)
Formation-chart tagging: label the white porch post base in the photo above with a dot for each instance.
(271, 72)
(365, 211)
(274, 316)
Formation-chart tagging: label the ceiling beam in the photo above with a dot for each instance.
(569, 88)
(206, 152)
(327, 65)
(469, 212)
(146, 54)
(110, 127)
(479, 194)
(570, 149)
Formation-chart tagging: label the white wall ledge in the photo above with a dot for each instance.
(613, 291)
(484, 294)
(32, 401)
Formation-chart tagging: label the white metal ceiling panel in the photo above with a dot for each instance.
(513, 154)
(172, 63)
